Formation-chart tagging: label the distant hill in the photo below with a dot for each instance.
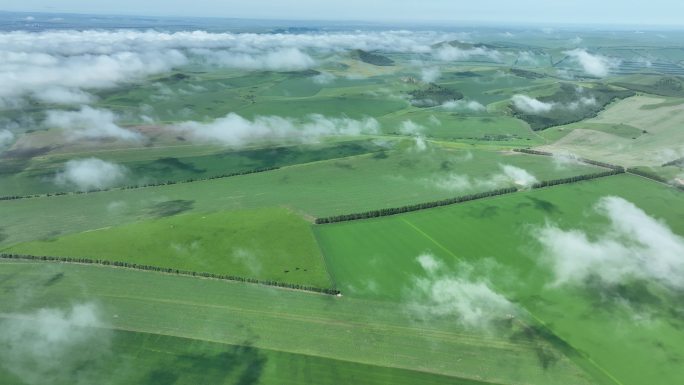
(372, 58)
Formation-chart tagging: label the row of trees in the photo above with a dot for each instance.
(136, 266)
(138, 186)
(461, 199)
(416, 207)
(655, 177)
(583, 160)
(578, 178)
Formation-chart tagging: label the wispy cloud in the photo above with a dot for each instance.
(596, 65)
(633, 246)
(89, 123)
(234, 130)
(90, 173)
(454, 293)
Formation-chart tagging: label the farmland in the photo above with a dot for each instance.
(244, 203)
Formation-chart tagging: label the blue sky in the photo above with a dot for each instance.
(652, 12)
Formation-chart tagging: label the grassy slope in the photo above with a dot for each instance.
(266, 244)
(661, 120)
(381, 259)
(324, 188)
(363, 331)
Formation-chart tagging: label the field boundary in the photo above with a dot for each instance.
(461, 199)
(168, 270)
(137, 187)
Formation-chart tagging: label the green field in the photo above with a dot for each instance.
(386, 179)
(376, 259)
(201, 261)
(347, 330)
(265, 244)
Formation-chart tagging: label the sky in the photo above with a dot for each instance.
(607, 12)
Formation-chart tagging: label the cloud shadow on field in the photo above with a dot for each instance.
(543, 205)
(239, 365)
(170, 208)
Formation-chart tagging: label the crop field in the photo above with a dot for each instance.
(232, 202)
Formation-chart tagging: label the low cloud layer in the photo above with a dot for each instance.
(89, 123)
(534, 106)
(66, 66)
(6, 138)
(90, 174)
(451, 53)
(235, 131)
(634, 246)
(509, 175)
(286, 59)
(430, 74)
(53, 345)
(464, 105)
(595, 65)
(443, 293)
(530, 105)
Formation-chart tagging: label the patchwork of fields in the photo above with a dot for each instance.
(165, 227)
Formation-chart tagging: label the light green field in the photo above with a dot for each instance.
(661, 142)
(388, 179)
(377, 259)
(346, 329)
(265, 244)
(172, 163)
(155, 359)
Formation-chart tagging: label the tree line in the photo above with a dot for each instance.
(583, 160)
(139, 186)
(135, 266)
(460, 199)
(578, 178)
(655, 177)
(420, 206)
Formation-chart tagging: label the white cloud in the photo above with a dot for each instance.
(60, 95)
(463, 105)
(440, 293)
(430, 75)
(54, 346)
(633, 246)
(90, 173)
(596, 65)
(234, 130)
(323, 78)
(6, 138)
(509, 175)
(451, 53)
(519, 176)
(408, 127)
(530, 105)
(89, 123)
(285, 59)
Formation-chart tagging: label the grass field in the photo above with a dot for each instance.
(386, 179)
(347, 329)
(154, 359)
(266, 244)
(639, 131)
(377, 259)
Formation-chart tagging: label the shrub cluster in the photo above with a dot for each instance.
(133, 187)
(136, 266)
